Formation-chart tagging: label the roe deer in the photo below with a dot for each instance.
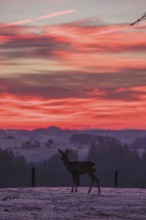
(77, 168)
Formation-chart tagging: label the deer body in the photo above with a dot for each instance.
(77, 168)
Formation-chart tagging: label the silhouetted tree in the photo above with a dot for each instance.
(14, 170)
(49, 143)
(111, 156)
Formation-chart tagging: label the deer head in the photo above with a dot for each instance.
(64, 155)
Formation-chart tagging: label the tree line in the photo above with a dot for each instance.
(108, 155)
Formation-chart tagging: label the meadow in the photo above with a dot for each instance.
(55, 203)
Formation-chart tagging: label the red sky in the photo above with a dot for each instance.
(78, 70)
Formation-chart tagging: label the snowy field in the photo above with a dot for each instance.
(60, 203)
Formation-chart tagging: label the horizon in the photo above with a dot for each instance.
(70, 129)
(75, 65)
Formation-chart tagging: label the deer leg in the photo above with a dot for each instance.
(73, 183)
(97, 181)
(76, 183)
(94, 178)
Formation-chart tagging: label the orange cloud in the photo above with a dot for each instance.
(77, 113)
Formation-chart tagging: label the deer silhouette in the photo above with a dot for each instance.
(77, 168)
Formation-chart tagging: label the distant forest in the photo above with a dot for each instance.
(107, 153)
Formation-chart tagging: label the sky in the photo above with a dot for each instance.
(73, 64)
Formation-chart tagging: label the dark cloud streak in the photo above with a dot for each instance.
(24, 44)
(59, 85)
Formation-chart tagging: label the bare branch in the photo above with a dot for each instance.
(143, 17)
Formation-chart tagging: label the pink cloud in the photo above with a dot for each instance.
(56, 14)
(72, 113)
(80, 47)
(43, 17)
(106, 83)
(20, 22)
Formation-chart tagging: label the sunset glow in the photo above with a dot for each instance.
(74, 66)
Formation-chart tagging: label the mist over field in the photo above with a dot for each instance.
(42, 143)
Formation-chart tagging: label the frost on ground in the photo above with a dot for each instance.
(60, 203)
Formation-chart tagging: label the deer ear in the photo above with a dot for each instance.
(60, 151)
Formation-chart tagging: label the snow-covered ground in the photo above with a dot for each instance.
(60, 203)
